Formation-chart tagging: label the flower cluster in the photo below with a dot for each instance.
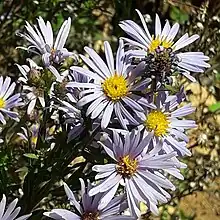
(139, 123)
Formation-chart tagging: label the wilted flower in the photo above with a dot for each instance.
(161, 52)
(112, 88)
(7, 102)
(42, 43)
(164, 120)
(11, 212)
(33, 88)
(138, 167)
(88, 208)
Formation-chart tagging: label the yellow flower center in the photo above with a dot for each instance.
(159, 42)
(115, 87)
(2, 103)
(127, 166)
(158, 122)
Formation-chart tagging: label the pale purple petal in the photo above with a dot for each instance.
(144, 25)
(107, 115)
(72, 198)
(132, 104)
(165, 30)
(106, 184)
(93, 66)
(98, 61)
(62, 35)
(185, 42)
(86, 72)
(62, 214)
(157, 27)
(109, 57)
(107, 197)
(99, 109)
(31, 106)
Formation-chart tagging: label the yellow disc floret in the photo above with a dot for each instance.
(154, 44)
(127, 166)
(2, 103)
(115, 87)
(158, 122)
(166, 44)
(159, 42)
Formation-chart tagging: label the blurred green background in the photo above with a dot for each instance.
(93, 21)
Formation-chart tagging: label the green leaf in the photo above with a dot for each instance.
(179, 15)
(31, 156)
(214, 107)
(60, 20)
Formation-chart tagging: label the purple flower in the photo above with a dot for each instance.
(11, 212)
(42, 43)
(7, 100)
(164, 120)
(138, 167)
(161, 46)
(111, 92)
(88, 208)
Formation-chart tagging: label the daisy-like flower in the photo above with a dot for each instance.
(42, 43)
(161, 51)
(33, 87)
(112, 88)
(165, 120)
(138, 168)
(88, 208)
(11, 212)
(7, 100)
